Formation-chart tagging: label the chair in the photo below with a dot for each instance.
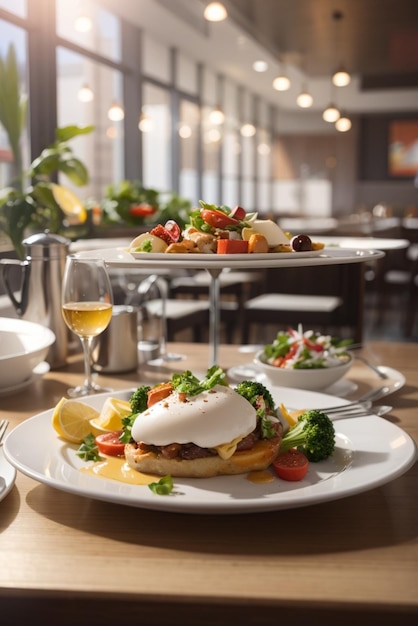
(324, 298)
(236, 287)
(395, 282)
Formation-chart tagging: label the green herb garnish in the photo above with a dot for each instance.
(162, 487)
(88, 451)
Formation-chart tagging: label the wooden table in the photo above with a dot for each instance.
(65, 559)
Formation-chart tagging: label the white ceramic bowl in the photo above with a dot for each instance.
(23, 346)
(310, 379)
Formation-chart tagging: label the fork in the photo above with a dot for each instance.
(3, 427)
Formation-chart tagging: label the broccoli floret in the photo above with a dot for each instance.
(252, 390)
(138, 402)
(313, 434)
(188, 383)
(139, 399)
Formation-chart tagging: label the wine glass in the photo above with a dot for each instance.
(87, 301)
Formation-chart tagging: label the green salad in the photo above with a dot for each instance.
(296, 349)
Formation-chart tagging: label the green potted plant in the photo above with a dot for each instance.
(42, 203)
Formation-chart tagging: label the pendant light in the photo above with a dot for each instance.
(304, 99)
(343, 124)
(281, 82)
(340, 78)
(215, 12)
(85, 93)
(116, 112)
(331, 113)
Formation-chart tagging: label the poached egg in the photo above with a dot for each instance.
(209, 419)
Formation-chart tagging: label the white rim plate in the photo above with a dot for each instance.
(37, 372)
(370, 452)
(284, 256)
(120, 257)
(7, 475)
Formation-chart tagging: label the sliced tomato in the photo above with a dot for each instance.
(217, 219)
(238, 213)
(291, 465)
(158, 393)
(141, 210)
(315, 347)
(232, 246)
(109, 443)
(174, 230)
(163, 233)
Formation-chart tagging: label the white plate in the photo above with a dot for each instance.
(120, 257)
(224, 258)
(369, 452)
(37, 372)
(7, 476)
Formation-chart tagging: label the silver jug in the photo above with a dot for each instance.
(40, 288)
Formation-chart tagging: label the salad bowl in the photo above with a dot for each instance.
(310, 379)
(304, 360)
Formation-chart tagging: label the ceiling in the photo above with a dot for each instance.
(376, 40)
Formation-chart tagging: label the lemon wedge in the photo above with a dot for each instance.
(71, 420)
(71, 205)
(110, 417)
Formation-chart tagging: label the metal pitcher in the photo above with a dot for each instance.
(40, 288)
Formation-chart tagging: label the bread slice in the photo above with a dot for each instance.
(259, 457)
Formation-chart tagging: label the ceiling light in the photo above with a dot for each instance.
(145, 123)
(85, 93)
(331, 113)
(343, 124)
(281, 83)
(185, 131)
(304, 99)
(83, 24)
(341, 78)
(116, 112)
(248, 130)
(260, 66)
(215, 12)
(217, 116)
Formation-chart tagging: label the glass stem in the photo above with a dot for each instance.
(86, 343)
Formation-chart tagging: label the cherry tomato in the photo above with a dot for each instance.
(291, 465)
(141, 210)
(217, 219)
(109, 443)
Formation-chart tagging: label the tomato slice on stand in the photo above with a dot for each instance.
(217, 219)
(109, 443)
(291, 465)
(174, 229)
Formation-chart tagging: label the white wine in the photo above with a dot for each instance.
(87, 319)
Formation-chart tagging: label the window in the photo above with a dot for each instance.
(155, 125)
(188, 130)
(89, 26)
(102, 150)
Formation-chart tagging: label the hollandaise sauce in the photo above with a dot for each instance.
(117, 468)
(260, 477)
